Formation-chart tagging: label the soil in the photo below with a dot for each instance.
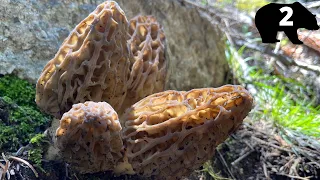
(265, 153)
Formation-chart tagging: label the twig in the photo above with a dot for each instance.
(21, 150)
(75, 176)
(249, 145)
(269, 144)
(293, 168)
(242, 157)
(255, 129)
(295, 177)
(283, 59)
(276, 49)
(306, 66)
(5, 168)
(226, 22)
(225, 164)
(273, 62)
(2, 166)
(240, 139)
(265, 171)
(26, 163)
(265, 50)
(312, 4)
(217, 15)
(286, 166)
(306, 154)
(314, 163)
(66, 169)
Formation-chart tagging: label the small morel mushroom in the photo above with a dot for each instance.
(91, 65)
(149, 66)
(89, 137)
(172, 133)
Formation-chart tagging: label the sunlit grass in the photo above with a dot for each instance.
(276, 104)
(244, 5)
(250, 5)
(281, 100)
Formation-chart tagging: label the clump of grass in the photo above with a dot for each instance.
(282, 100)
(279, 106)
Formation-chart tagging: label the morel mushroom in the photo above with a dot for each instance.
(91, 65)
(89, 137)
(172, 133)
(166, 135)
(149, 66)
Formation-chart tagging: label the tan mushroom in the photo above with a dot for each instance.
(91, 65)
(166, 135)
(149, 65)
(172, 133)
(89, 137)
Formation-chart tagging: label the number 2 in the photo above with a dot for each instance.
(284, 21)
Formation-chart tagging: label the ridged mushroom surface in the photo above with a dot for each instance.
(170, 134)
(149, 65)
(92, 64)
(89, 137)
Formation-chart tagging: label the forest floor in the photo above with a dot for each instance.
(256, 151)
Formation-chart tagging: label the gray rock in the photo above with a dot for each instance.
(32, 31)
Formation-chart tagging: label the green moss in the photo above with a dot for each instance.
(21, 91)
(35, 155)
(38, 143)
(38, 139)
(20, 118)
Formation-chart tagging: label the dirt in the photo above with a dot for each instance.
(252, 153)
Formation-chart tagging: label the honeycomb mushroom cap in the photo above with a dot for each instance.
(92, 64)
(89, 137)
(149, 65)
(172, 133)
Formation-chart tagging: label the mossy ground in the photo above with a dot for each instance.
(20, 118)
(38, 146)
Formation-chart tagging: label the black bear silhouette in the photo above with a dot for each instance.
(274, 17)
